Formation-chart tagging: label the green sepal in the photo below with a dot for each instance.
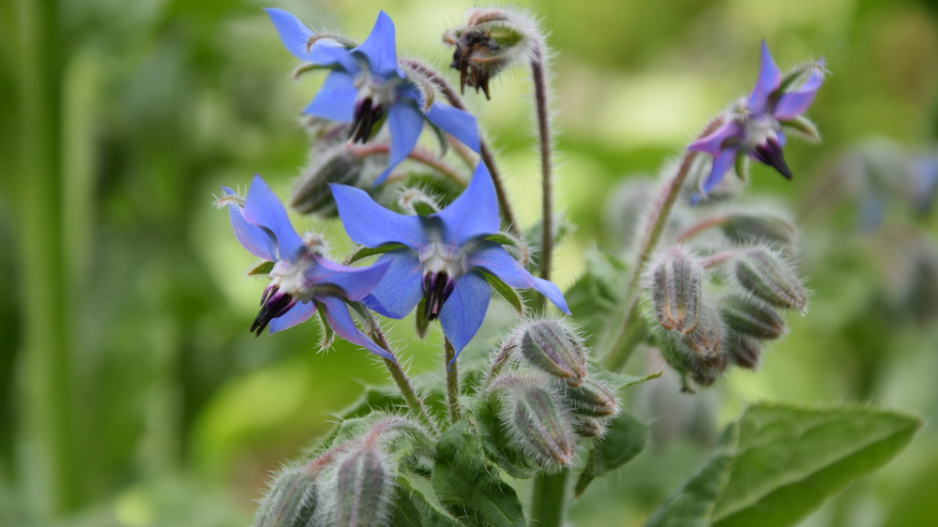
(741, 166)
(625, 438)
(307, 67)
(506, 291)
(804, 128)
(263, 268)
(423, 208)
(328, 334)
(365, 252)
(421, 322)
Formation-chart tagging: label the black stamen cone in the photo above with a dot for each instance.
(436, 289)
(770, 153)
(276, 305)
(367, 114)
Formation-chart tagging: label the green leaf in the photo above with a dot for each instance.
(498, 447)
(404, 512)
(421, 492)
(365, 252)
(595, 295)
(625, 438)
(506, 291)
(692, 504)
(262, 268)
(466, 483)
(789, 460)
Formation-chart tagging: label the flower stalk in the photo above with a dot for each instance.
(539, 78)
(452, 381)
(414, 403)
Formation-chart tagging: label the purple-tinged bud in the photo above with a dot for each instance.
(589, 426)
(707, 337)
(745, 352)
(699, 354)
(415, 202)
(291, 500)
(751, 317)
(552, 347)
(593, 398)
(337, 164)
(676, 284)
(748, 227)
(770, 278)
(363, 488)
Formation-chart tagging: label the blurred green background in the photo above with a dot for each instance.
(132, 393)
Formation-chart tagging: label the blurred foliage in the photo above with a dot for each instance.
(180, 413)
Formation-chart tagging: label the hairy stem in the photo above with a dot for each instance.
(403, 382)
(500, 360)
(549, 499)
(539, 77)
(452, 381)
(417, 154)
(702, 225)
(456, 101)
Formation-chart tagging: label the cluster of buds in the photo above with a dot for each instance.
(548, 398)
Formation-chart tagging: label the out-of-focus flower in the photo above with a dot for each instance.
(753, 126)
(366, 86)
(301, 280)
(447, 257)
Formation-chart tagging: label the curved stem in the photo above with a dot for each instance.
(539, 77)
(417, 154)
(403, 382)
(452, 381)
(702, 225)
(456, 102)
(549, 499)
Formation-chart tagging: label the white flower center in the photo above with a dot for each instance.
(759, 130)
(438, 257)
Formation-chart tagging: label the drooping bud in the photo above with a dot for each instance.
(593, 398)
(552, 347)
(416, 202)
(363, 488)
(700, 353)
(291, 500)
(750, 317)
(770, 278)
(748, 227)
(706, 338)
(745, 352)
(337, 164)
(676, 284)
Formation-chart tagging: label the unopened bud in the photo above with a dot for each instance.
(415, 202)
(363, 488)
(589, 426)
(337, 164)
(768, 277)
(291, 500)
(537, 420)
(744, 227)
(676, 286)
(751, 317)
(592, 398)
(744, 351)
(551, 347)
(700, 353)
(707, 336)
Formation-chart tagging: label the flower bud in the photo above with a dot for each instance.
(589, 426)
(744, 351)
(592, 399)
(770, 278)
(551, 347)
(291, 500)
(415, 202)
(537, 420)
(751, 317)
(747, 227)
(707, 336)
(676, 284)
(337, 164)
(363, 488)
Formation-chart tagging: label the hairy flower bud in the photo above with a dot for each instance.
(291, 500)
(592, 399)
(553, 348)
(745, 352)
(707, 336)
(337, 164)
(747, 227)
(416, 202)
(537, 420)
(676, 284)
(751, 317)
(589, 426)
(700, 353)
(363, 488)
(770, 278)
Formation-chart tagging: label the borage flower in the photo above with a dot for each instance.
(753, 126)
(301, 281)
(366, 85)
(442, 257)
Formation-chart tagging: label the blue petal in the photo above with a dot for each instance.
(355, 282)
(336, 99)
(794, 103)
(300, 312)
(371, 225)
(263, 209)
(253, 238)
(721, 164)
(379, 48)
(405, 123)
(295, 37)
(712, 143)
(474, 213)
(769, 80)
(400, 290)
(458, 123)
(339, 319)
(464, 310)
(495, 260)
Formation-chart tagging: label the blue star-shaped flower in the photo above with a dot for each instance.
(755, 128)
(366, 85)
(301, 281)
(444, 257)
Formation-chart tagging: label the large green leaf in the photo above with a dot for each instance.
(624, 439)
(421, 493)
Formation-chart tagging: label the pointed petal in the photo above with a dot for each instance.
(794, 103)
(458, 123)
(474, 212)
(769, 79)
(464, 310)
(371, 225)
(712, 143)
(496, 260)
(399, 292)
(380, 48)
(253, 238)
(300, 312)
(341, 322)
(721, 164)
(355, 282)
(263, 209)
(295, 37)
(335, 99)
(405, 123)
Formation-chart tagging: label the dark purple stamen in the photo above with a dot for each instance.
(273, 304)
(473, 43)
(436, 289)
(367, 114)
(770, 153)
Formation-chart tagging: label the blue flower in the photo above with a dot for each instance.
(443, 257)
(754, 127)
(366, 85)
(301, 280)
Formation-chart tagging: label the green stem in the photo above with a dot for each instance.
(619, 339)
(539, 78)
(549, 499)
(452, 382)
(403, 382)
(48, 390)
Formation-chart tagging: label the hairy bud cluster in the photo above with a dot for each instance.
(550, 346)
(676, 283)
(337, 164)
(291, 500)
